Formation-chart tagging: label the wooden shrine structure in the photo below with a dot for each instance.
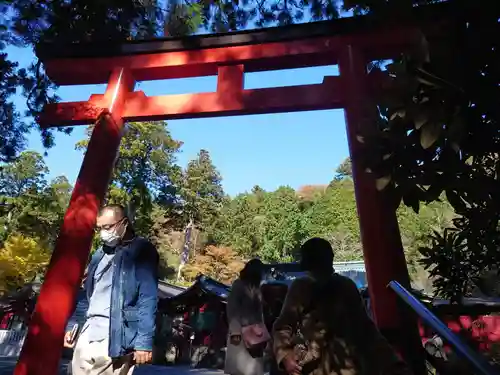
(351, 43)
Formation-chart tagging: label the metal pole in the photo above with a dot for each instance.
(443, 331)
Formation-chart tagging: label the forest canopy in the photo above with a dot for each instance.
(166, 198)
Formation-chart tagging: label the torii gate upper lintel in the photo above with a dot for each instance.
(229, 61)
(228, 57)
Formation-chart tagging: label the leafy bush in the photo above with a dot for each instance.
(22, 259)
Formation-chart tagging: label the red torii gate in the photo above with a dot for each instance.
(228, 56)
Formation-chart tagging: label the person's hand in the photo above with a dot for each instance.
(235, 339)
(291, 366)
(141, 357)
(67, 341)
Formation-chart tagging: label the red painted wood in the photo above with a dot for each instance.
(231, 82)
(205, 62)
(383, 251)
(382, 248)
(4, 323)
(72, 113)
(42, 348)
(227, 101)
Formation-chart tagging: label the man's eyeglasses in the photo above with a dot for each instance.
(109, 226)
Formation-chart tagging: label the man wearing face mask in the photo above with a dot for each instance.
(121, 287)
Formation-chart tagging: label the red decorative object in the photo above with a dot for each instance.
(5, 322)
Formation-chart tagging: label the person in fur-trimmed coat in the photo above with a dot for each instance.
(244, 308)
(324, 328)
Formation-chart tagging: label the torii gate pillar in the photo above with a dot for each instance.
(41, 351)
(382, 248)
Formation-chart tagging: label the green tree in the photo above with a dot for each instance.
(344, 170)
(31, 212)
(334, 217)
(30, 205)
(281, 226)
(25, 174)
(265, 224)
(161, 234)
(416, 228)
(201, 191)
(271, 225)
(238, 224)
(60, 191)
(12, 129)
(145, 171)
(30, 24)
(274, 224)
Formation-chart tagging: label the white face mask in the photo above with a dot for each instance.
(109, 238)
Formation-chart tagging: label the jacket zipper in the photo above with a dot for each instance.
(122, 273)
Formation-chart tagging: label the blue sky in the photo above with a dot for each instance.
(294, 149)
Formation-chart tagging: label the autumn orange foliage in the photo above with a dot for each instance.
(308, 192)
(220, 263)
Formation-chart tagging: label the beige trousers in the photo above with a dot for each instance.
(91, 358)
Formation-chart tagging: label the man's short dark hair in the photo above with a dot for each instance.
(119, 211)
(317, 255)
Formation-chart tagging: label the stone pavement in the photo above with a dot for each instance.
(7, 367)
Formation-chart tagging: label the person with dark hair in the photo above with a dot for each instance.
(121, 287)
(324, 328)
(248, 335)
